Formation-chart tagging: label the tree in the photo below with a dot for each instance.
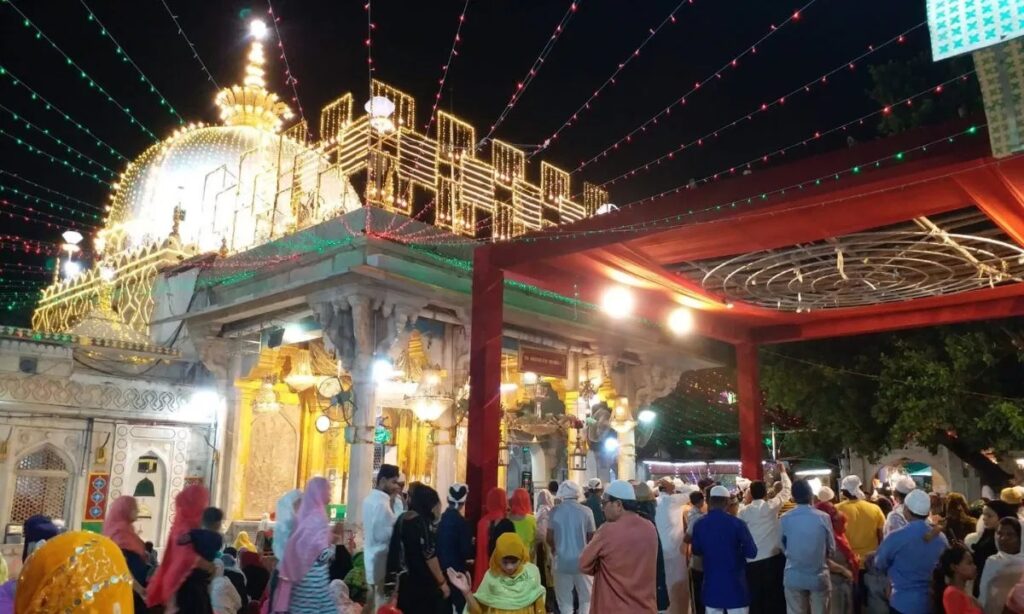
(896, 81)
(959, 387)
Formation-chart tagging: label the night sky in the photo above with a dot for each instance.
(324, 41)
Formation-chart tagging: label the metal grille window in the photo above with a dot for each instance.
(40, 486)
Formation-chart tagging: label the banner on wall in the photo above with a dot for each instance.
(543, 361)
(962, 26)
(96, 500)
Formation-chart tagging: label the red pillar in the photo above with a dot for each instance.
(749, 390)
(485, 380)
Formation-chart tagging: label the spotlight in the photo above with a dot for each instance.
(611, 444)
(107, 273)
(530, 378)
(647, 416)
(257, 29)
(618, 302)
(72, 269)
(322, 424)
(680, 321)
(382, 370)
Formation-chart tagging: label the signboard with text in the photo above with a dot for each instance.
(543, 361)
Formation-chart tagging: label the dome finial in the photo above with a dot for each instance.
(250, 104)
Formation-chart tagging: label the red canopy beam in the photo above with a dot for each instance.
(749, 392)
(484, 435)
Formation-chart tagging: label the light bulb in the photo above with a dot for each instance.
(618, 302)
(72, 269)
(647, 416)
(680, 321)
(257, 29)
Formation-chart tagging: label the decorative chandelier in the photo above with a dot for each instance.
(428, 404)
(578, 457)
(266, 399)
(301, 376)
(381, 109)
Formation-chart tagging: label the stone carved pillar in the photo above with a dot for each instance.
(350, 323)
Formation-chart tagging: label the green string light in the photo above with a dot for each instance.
(28, 214)
(68, 148)
(40, 186)
(49, 106)
(52, 205)
(124, 58)
(81, 73)
(71, 168)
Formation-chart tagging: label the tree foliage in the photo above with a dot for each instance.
(961, 387)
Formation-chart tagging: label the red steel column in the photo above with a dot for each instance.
(485, 380)
(749, 390)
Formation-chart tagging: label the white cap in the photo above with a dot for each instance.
(568, 491)
(677, 483)
(742, 483)
(905, 484)
(457, 493)
(720, 491)
(826, 494)
(851, 484)
(594, 484)
(918, 502)
(621, 490)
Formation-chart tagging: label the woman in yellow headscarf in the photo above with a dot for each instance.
(512, 584)
(78, 572)
(243, 541)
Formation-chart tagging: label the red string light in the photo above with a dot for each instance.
(521, 85)
(803, 142)
(682, 100)
(289, 78)
(761, 109)
(49, 190)
(651, 33)
(446, 67)
(62, 223)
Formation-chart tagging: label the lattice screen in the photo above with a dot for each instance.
(41, 486)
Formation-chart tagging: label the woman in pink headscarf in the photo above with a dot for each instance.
(119, 526)
(305, 571)
(179, 558)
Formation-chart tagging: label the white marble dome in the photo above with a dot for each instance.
(233, 183)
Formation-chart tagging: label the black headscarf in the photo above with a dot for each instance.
(36, 528)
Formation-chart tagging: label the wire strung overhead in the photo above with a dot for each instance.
(763, 108)
(195, 52)
(651, 33)
(49, 203)
(74, 170)
(40, 35)
(68, 148)
(521, 86)
(446, 67)
(289, 78)
(67, 197)
(733, 63)
(127, 59)
(49, 106)
(28, 214)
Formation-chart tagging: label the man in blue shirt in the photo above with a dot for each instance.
(808, 542)
(724, 542)
(909, 555)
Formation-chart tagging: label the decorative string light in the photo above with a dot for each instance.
(74, 170)
(27, 269)
(289, 78)
(732, 64)
(936, 89)
(47, 190)
(49, 106)
(684, 218)
(68, 148)
(534, 69)
(447, 65)
(40, 35)
(370, 27)
(57, 221)
(651, 33)
(52, 205)
(195, 53)
(127, 59)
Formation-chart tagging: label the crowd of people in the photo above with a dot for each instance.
(627, 546)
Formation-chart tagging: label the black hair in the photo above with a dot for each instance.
(803, 494)
(553, 487)
(149, 546)
(212, 515)
(422, 500)
(232, 551)
(705, 483)
(1013, 523)
(758, 490)
(630, 506)
(386, 472)
(697, 498)
(949, 558)
(884, 504)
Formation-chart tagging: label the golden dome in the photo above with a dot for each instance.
(236, 185)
